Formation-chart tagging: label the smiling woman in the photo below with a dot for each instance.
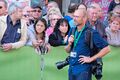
(59, 35)
(40, 36)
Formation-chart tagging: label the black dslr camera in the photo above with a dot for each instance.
(62, 64)
(97, 69)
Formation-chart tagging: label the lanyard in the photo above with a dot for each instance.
(77, 38)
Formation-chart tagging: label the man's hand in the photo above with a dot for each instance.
(71, 40)
(7, 47)
(65, 39)
(85, 59)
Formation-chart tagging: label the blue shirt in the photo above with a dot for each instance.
(83, 49)
(13, 32)
(70, 20)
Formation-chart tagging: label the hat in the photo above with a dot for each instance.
(36, 6)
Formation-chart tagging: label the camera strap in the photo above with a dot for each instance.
(77, 36)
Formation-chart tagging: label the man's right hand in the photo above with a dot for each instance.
(71, 40)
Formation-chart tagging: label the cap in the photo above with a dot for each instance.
(36, 6)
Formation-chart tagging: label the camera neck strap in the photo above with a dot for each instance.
(77, 36)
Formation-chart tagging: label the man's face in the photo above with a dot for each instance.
(92, 14)
(50, 5)
(37, 13)
(100, 13)
(2, 8)
(19, 13)
(78, 17)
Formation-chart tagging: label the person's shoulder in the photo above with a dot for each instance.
(3, 18)
(107, 29)
(23, 21)
(30, 26)
(53, 34)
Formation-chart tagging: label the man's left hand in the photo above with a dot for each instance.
(7, 47)
(85, 59)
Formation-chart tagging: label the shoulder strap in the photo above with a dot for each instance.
(88, 38)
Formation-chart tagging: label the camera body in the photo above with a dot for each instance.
(62, 64)
(97, 69)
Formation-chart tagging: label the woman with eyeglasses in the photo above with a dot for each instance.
(54, 16)
(59, 36)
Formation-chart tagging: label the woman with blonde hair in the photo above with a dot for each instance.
(53, 16)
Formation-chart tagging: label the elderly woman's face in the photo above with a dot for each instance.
(54, 18)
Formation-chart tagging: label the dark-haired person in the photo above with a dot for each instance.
(37, 13)
(112, 5)
(39, 34)
(69, 16)
(59, 35)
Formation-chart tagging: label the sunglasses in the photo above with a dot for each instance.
(0, 7)
(26, 15)
(37, 11)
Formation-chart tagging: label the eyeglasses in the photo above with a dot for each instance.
(76, 16)
(26, 15)
(0, 7)
(54, 19)
(37, 11)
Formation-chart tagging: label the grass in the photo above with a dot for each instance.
(24, 64)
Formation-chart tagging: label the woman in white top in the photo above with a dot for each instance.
(113, 31)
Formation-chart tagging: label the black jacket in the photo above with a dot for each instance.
(55, 39)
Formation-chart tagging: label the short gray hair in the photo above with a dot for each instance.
(54, 3)
(13, 6)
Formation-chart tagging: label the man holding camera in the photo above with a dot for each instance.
(80, 54)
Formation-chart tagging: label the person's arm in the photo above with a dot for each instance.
(70, 42)
(111, 6)
(103, 52)
(99, 43)
(31, 36)
(23, 38)
(31, 32)
(54, 41)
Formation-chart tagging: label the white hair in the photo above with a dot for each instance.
(13, 6)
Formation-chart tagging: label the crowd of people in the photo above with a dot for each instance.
(26, 26)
